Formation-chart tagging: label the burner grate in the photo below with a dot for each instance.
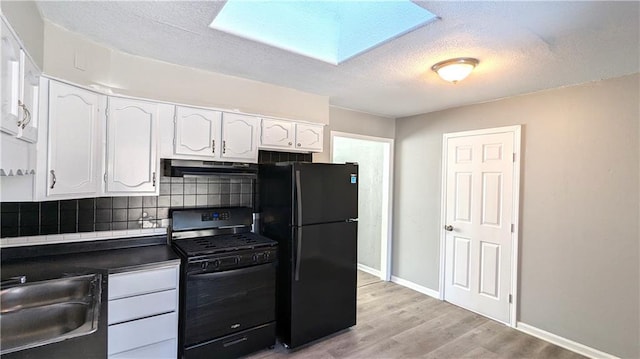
(222, 243)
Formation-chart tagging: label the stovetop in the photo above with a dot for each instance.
(223, 243)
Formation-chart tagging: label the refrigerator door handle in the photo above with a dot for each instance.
(296, 275)
(299, 197)
(299, 222)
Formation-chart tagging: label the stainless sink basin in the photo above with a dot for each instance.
(39, 313)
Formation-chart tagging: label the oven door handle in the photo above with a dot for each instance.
(226, 273)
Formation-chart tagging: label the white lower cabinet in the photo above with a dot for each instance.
(143, 313)
(160, 350)
(136, 334)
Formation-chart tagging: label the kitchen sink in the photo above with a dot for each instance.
(44, 312)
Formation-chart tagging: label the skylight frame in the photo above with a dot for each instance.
(247, 19)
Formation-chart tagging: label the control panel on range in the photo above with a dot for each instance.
(211, 218)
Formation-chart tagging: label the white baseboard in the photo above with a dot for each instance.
(367, 269)
(416, 287)
(563, 342)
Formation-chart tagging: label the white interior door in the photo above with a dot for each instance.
(479, 213)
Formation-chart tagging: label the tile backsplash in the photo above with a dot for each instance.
(102, 214)
(119, 213)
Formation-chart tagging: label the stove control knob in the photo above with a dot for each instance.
(254, 257)
(204, 265)
(267, 254)
(215, 263)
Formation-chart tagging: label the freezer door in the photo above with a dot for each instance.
(325, 192)
(323, 283)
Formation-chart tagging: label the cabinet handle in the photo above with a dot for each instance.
(299, 145)
(154, 179)
(290, 143)
(213, 146)
(224, 147)
(26, 115)
(53, 179)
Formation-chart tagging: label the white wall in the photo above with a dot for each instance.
(580, 238)
(143, 77)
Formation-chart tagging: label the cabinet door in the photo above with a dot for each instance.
(239, 138)
(29, 97)
(277, 134)
(132, 161)
(197, 132)
(309, 137)
(10, 81)
(74, 140)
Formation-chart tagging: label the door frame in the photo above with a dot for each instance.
(516, 130)
(387, 196)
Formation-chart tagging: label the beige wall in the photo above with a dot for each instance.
(25, 19)
(579, 249)
(144, 77)
(344, 120)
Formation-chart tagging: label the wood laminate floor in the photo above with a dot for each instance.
(396, 322)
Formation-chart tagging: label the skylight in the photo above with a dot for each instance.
(330, 31)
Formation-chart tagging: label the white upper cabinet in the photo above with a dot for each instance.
(10, 82)
(239, 137)
(197, 132)
(291, 136)
(28, 110)
(73, 141)
(309, 137)
(20, 81)
(277, 134)
(132, 162)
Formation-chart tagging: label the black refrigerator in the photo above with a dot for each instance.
(311, 209)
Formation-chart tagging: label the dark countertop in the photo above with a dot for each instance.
(108, 256)
(104, 257)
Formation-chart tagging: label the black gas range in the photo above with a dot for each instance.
(227, 294)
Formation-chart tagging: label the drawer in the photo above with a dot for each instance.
(142, 332)
(141, 306)
(167, 349)
(235, 345)
(142, 282)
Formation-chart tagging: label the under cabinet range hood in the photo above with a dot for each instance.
(196, 168)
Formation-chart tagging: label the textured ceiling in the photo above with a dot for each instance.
(522, 47)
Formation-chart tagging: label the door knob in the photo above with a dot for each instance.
(448, 228)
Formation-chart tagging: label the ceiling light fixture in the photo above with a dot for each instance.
(454, 70)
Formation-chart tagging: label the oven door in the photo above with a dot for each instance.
(221, 303)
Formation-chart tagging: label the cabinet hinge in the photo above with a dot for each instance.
(105, 177)
(510, 298)
(154, 179)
